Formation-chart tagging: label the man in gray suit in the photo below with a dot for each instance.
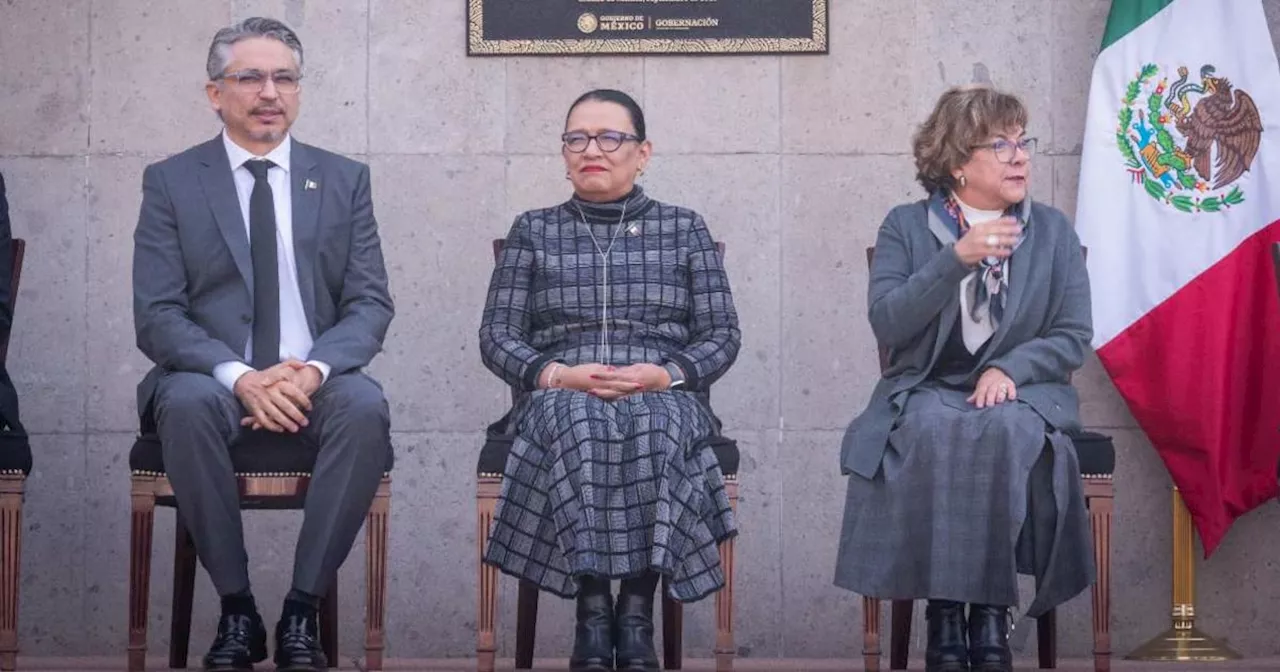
(260, 293)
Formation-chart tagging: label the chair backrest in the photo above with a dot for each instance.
(1275, 262)
(881, 349)
(17, 250)
(884, 351)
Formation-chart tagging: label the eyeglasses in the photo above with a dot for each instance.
(1006, 150)
(254, 81)
(608, 141)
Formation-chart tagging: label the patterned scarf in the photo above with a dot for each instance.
(988, 291)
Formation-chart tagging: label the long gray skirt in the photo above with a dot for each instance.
(965, 500)
(612, 489)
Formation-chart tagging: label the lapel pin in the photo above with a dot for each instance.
(309, 185)
(634, 230)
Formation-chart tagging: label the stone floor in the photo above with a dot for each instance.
(113, 664)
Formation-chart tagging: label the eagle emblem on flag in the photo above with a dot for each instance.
(1187, 143)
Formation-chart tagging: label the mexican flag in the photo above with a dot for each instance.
(1179, 205)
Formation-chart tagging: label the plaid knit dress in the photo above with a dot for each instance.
(619, 488)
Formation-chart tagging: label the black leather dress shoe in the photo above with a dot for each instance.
(298, 645)
(989, 639)
(241, 641)
(946, 649)
(633, 632)
(593, 633)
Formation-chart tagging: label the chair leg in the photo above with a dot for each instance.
(375, 611)
(329, 623)
(672, 629)
(726, 649)
(870, 634)
(184, 588)
(487, 490)
(900, 634)
(1100, 497)
(1047, 639)
(141, 528)
(526, 624)
(11, 487)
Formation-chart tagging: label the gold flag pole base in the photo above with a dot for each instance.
(1189, 645)
(1183, 642)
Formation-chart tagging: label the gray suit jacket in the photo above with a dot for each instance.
(913, 301)
(193, 276)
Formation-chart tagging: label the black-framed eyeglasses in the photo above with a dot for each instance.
(1006, 150)
(608, 141)
(254, 81)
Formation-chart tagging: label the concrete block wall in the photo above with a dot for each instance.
(793, 160)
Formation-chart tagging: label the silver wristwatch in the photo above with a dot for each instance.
(676, 373)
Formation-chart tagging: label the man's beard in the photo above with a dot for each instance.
(268, 135)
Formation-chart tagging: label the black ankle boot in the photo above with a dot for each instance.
(946, 650)
(633, 625)
(593, 635)
(989, 639)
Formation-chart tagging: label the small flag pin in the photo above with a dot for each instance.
(309, 185)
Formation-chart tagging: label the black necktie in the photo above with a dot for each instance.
(266, 278)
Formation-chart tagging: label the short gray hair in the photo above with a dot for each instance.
(257, 26)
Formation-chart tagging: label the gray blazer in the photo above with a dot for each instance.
(913, 301)
(193, 277)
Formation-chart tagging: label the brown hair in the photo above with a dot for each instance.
(964, 117)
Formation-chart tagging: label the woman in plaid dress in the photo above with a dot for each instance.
(611, 316)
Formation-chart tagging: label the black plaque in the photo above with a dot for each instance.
(497, 27)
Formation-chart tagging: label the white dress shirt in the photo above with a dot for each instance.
(295, 334)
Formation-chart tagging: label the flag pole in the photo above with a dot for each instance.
(1183, 642)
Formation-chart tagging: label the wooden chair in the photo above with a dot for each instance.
(492, 462)
(15, 464)
(1097, 464)
(1275, 264)
(273, 472)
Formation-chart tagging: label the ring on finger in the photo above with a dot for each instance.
(993, 240)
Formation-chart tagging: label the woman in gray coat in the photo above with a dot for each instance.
(960, 474)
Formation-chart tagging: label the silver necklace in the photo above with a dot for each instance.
(605, 346)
